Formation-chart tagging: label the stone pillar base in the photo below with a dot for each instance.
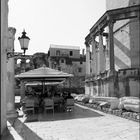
(87, 89)
(4, 133)
(113, 87)
(112, 83)
(12, 114)
(111, 90)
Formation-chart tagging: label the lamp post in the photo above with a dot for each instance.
(24, 42)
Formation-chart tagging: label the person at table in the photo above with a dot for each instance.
(57, 98)
(27, 99)
(53, 90)
(68, 96)
(49, 94)
(30, 90)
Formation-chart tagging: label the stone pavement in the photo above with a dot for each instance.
(81, 124)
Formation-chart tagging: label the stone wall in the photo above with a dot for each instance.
(134, 87)
(126, 42)
(126, 37)
(127, 83)
(126, 33)
(114, 4)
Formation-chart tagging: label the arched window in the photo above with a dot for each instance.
(28, 60)
(18, 61)
(62, 60)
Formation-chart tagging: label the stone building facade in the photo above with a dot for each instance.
(68, 59)
(114, 44)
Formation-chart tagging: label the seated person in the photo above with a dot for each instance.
(27, 97)
(49, 94)
(22, 100)
(69, 96)
(30, 97)
(48, 103)
(69, 103)
(65, 94)
(28, 101)
(36, 100)
(57, 99)
(29, 90)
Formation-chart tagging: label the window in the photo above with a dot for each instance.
(62, 60)
(79, 69)
(71, 53)
(59, 68)
(58, 53)
(28, 60)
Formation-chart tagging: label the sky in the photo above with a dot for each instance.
(59, 22)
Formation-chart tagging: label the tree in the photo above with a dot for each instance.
(39, 59)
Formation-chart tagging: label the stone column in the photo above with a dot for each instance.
(4, 39)
(87, 87)
(101, 53)
(113, 89)
(97, 59)
(107, 64)
(11, 112)
(87, 59)
(111, 46)
(93, 43)
(22, 89)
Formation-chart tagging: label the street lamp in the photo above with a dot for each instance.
(24, 41)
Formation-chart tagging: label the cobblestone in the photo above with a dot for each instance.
(128, 115)
(83, 123)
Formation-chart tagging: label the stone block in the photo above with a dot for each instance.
(103, 108)
(120, 113)
(107, 110)
(134, 116)
(137, 117)
(92, 105)
(114, 112)
(95, 106)
(110, 111)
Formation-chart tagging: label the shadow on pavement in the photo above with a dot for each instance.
(77, 113)
(7, 135)
(25, 132)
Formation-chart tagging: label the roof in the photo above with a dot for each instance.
(65, 47)
(44, 73)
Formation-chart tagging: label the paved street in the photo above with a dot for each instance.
(81, 124)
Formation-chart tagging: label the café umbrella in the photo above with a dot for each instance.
(44, 75)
